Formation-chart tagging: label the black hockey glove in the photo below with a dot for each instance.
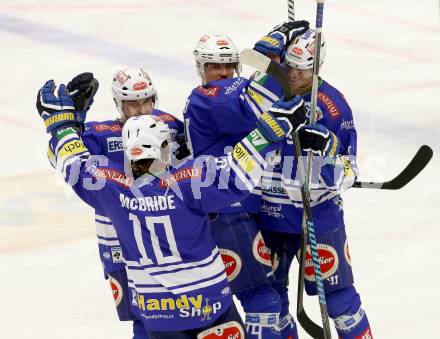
(283, 118)
(82, 88)
(279, 38)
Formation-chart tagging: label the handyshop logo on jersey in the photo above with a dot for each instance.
(328, 259)
(205, 312)
(113, 175)
(229, 330)
(116, 289)
(331, 106)
(260, 250)
(183, 302)
(232, 263)
(209, 91)
(185, 173)
(116, 127)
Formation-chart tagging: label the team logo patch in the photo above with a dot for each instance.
(209, 91)
(116, 127)
(117, 257)
(186, 173)
(347, 252)
(139, 86)
(328, 259)
(229, 330)
(318, 111)
(261, 251)
(116, 289)
(329, 104)
(232, 263)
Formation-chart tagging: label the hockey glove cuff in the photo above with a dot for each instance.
(57, 111)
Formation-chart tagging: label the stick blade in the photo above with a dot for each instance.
(314, 330)
(416, 165)
(254, 59)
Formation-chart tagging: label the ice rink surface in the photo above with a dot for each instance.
(383, 55)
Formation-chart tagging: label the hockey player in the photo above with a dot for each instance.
(334, 171)
(217, 115)
(134, 93)
(175, 271)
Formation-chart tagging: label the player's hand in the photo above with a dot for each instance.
(280, 37)
(57, 111)
(319, 140)
(82, 88)
(292, 113)
(283, 118)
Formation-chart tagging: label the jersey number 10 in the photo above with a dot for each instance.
(158, 252)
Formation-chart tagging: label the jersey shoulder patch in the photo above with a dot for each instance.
(101, 127)
(222, 90)
(332, 101)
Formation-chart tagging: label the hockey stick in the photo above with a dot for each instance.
(415, 166)
(311, 328)
(266, 65)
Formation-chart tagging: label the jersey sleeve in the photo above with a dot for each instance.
(77, 167)
(235, 106)
(217, 182)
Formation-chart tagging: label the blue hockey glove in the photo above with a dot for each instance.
(283, 118)
(82, 88)
(56, 111)
(319, 140)
(279, 38)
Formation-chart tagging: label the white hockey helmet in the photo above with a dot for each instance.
(132, 83)
(144, 137)
(300, 52)
(218, 49)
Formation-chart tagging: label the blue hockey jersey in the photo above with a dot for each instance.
(220, 113)
(104, 138)
(175, 272)
(278, 211)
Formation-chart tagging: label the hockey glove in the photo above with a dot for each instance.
(82, 88)
(319, 140)
(279, 38)
(284, 117)
(56, 111)
(182, 150)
